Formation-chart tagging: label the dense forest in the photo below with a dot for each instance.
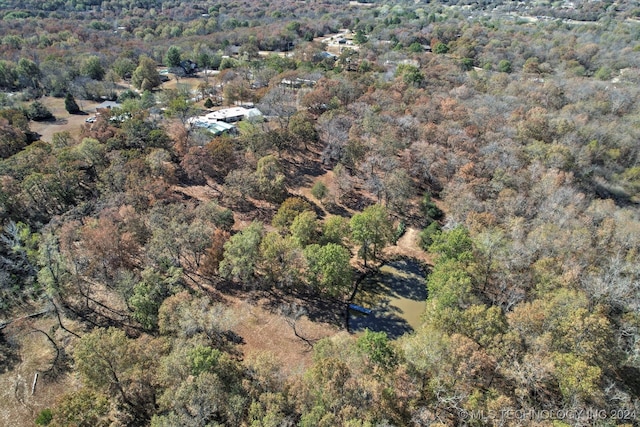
(498, 138)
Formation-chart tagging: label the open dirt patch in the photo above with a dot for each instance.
(264, 331)
(407, 245)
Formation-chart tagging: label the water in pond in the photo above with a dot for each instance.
(397, 297)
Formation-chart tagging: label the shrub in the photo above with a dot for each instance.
(429, 208)
(45, 417)
(319, 190)
(428, 234)
(128, 94)
(504, 66)
(466, 63)
(415, 47)
(440, 48)
(603, 73)
(38, 112)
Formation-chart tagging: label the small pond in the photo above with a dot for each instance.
(397, 297)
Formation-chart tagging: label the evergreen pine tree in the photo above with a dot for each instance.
(70, 104)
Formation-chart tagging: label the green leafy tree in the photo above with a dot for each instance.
(28, 73)
(410, 74)
(302, 127)
(449, 285)
(577, 379)
(453, 244)
(378, 349)
(45, 417)
(121, 368)
(8, 75)
(504, 66)
(288, 211)
(335, 229)
(203, 358)
(466, 64)
(123, 67)
(281, 259)
(271, 180)
(603, 73)
(241, 253)
(360, 37)
(146, 76)
(92, 68)
(173, 57)
(127, 95)
(415, 47)
(204, 59)
(304, 228)
(319, 190)
(227, 63)
(429, 209)
(373, 230)
(330, 268)
(149, 294)
(147, 99)
(70, 104)
(180, 107)
(428, 234)
(81, 408)
(440, 48)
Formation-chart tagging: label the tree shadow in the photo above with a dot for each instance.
(356, 201)
(386, 293)
(325, 310)
(302, 174)
(631, 378)
(317, 308)
(404, 278)
(242, 205)
(60, 366)
(336, 209)
(9, 354)
(380, 321)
